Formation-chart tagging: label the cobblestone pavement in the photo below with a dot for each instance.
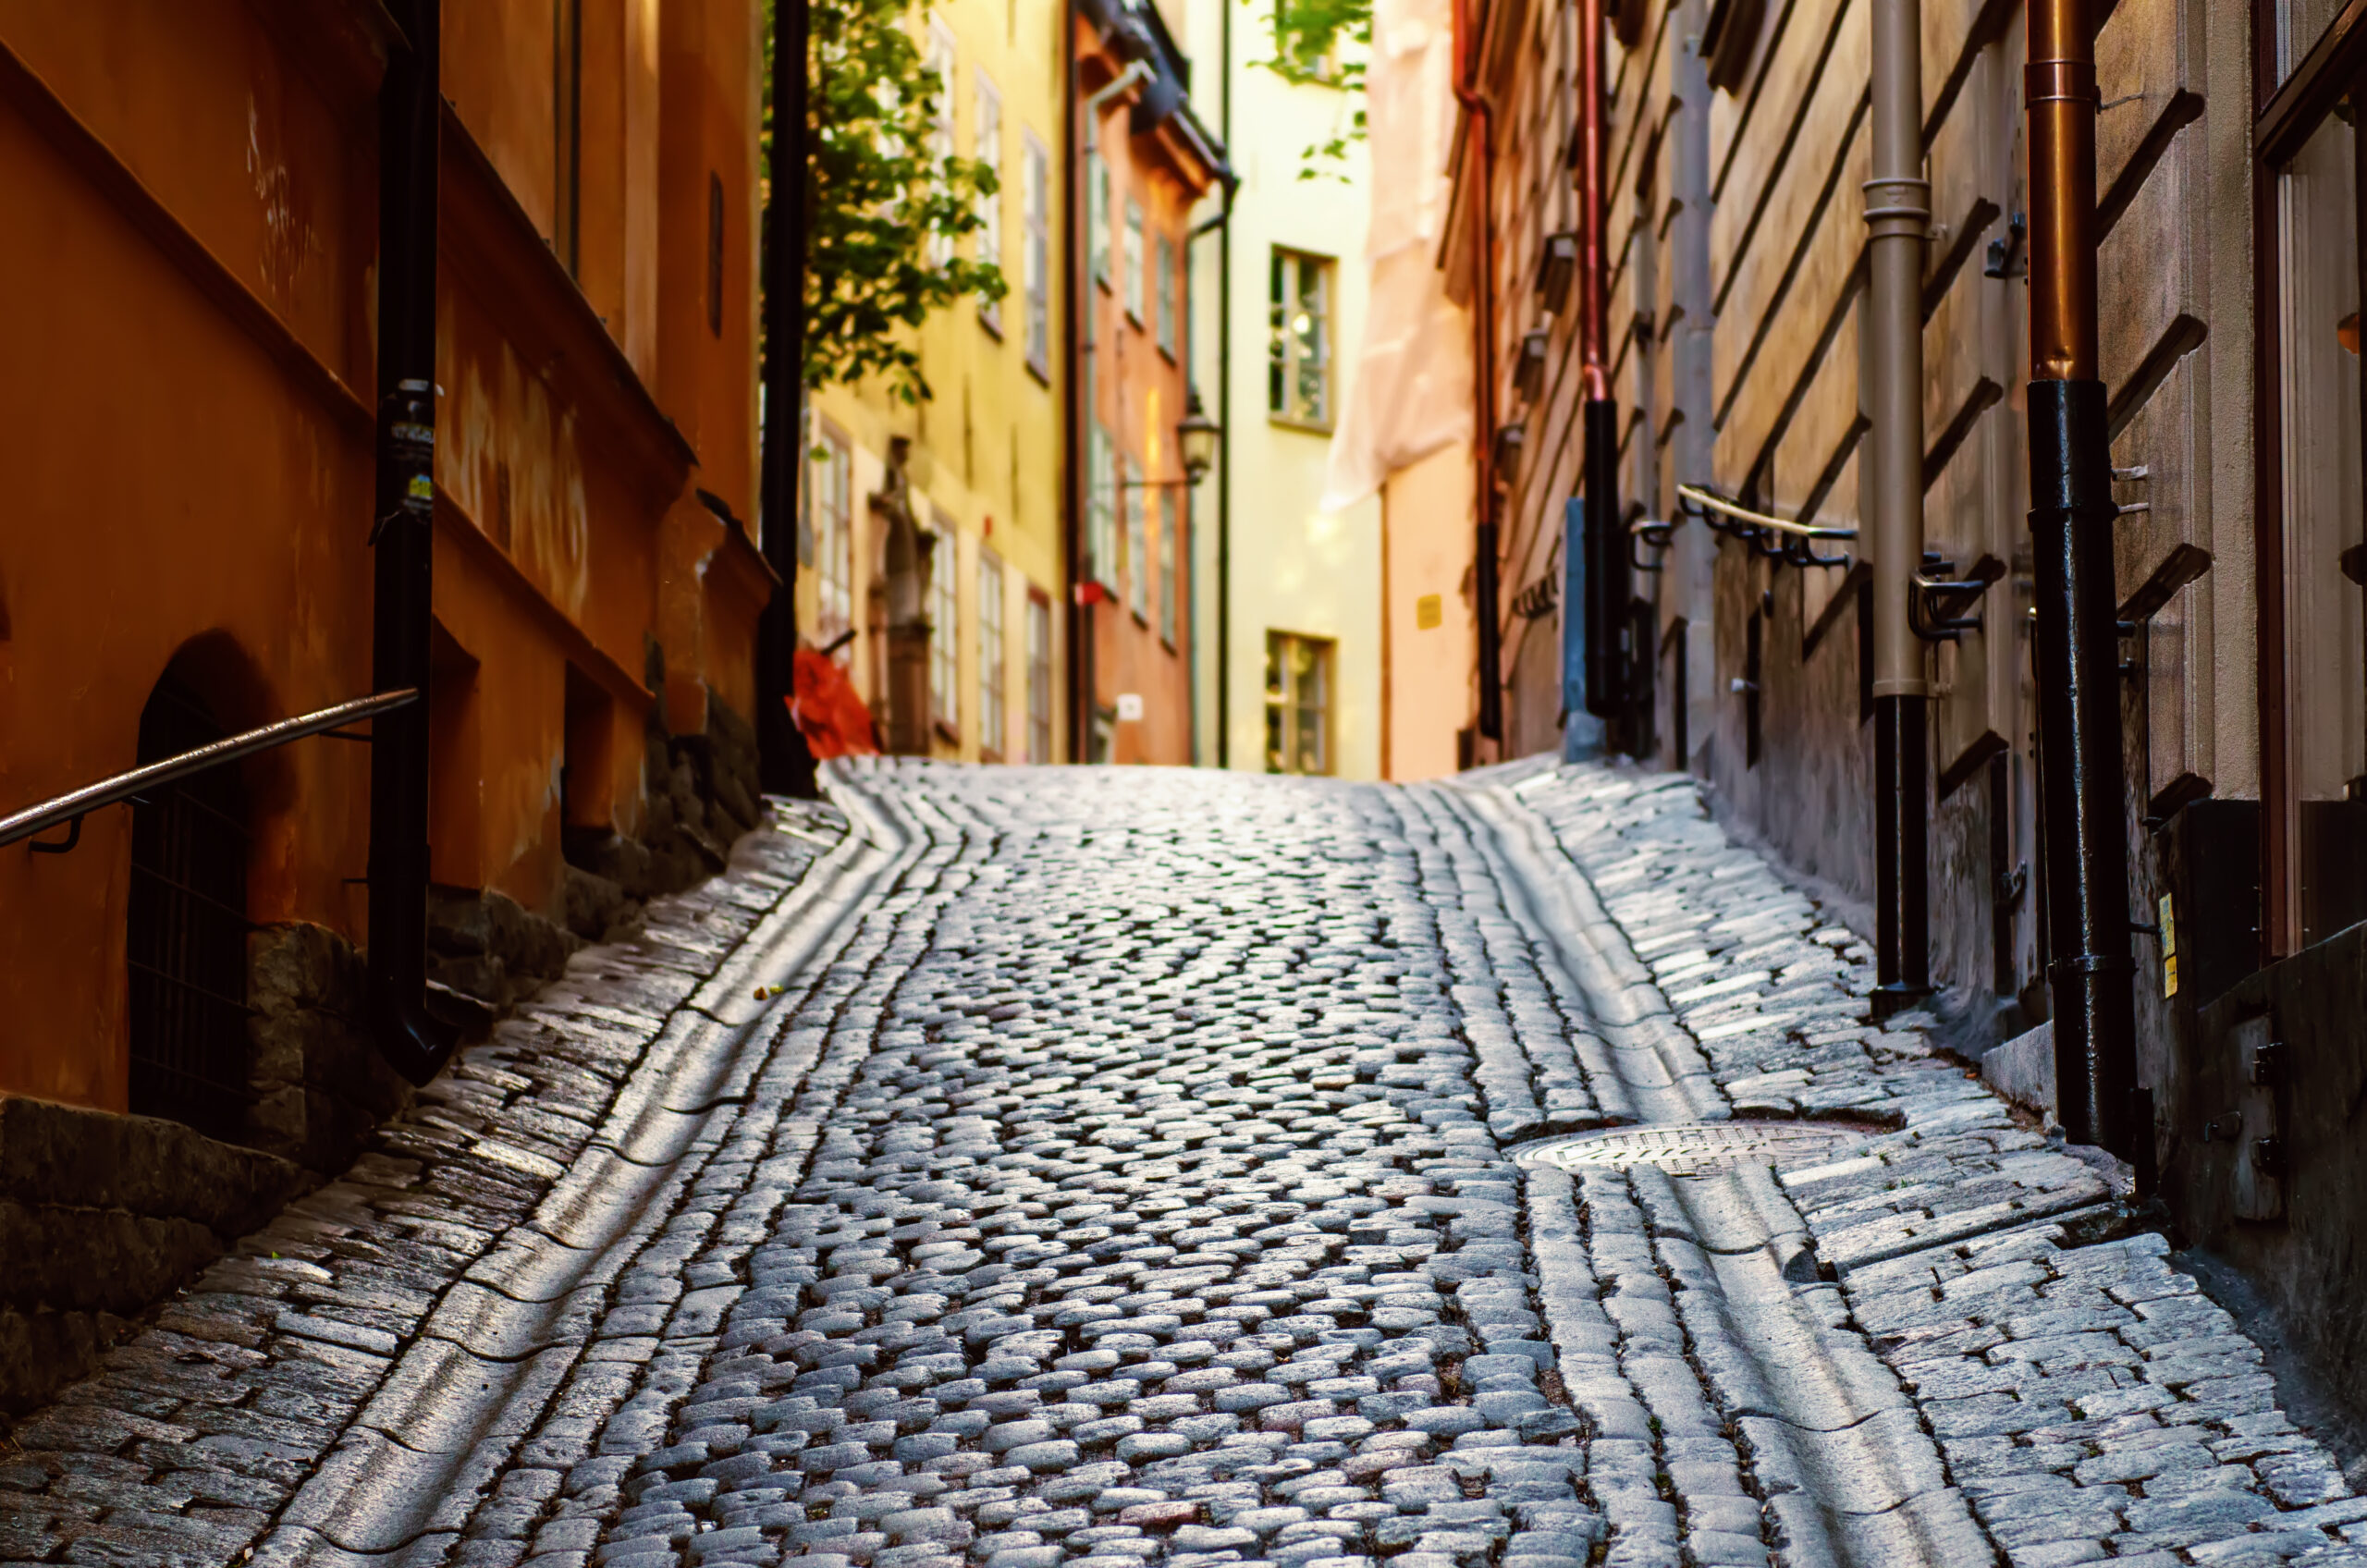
(1142, 1166)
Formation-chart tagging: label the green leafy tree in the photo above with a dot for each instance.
(886, 203)
(1308, 36)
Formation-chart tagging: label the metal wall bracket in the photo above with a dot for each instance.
(58, 846)
(2259, 1167)
(1936, 609)
(2010, 255)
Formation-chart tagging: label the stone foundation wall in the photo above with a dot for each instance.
(490, 952)
(102, 1215)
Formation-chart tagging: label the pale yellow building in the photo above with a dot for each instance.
(986, 457)
(1290, 627)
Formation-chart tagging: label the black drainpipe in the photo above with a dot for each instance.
(409, 107)
(785, 763)
(2081, 778)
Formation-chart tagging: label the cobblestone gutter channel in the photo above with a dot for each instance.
(1133, 1169)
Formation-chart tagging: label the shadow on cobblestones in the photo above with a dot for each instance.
(1124, 1177)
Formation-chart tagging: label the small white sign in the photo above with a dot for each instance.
(1130, 707)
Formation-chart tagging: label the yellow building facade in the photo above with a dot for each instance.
(984, 459)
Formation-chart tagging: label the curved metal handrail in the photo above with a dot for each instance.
(1717, 503)
(69, 809)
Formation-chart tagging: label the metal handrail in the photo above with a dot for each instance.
(69, 809)
(1717, 503)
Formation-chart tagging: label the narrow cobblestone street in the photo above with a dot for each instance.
(1093, 1169)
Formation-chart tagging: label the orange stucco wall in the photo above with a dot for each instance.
(190, 192)
(1141, 393)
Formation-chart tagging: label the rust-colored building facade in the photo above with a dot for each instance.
(1141, 161)
(191, 193)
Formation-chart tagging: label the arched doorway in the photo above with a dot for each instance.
(187, 936)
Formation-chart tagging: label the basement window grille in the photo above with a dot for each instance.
(186, 936)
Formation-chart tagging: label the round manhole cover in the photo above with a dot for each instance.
(1700, 1147)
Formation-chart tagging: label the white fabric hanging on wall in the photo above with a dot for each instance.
(1411, 392)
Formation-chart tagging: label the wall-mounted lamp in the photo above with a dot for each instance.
(1196, 439)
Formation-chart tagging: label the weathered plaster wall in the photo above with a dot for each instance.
(194, 191)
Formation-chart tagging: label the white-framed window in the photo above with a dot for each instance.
(1137, 567)
(1168, 280)
(1096, 214)
(986, 140)
(940, 137)
(1036, 205)
(1134, 261)
(1100, 500)
(1039, 677)
(945, 631)
(1298, 375)
(992, 667)
(830, 494)
(1171, 550)
(1298, 704)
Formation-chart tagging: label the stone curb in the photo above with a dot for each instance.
(420, 1438)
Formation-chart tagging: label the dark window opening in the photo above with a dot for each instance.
(587, 793)
(186, 938)
(567, 130)
(714, 254)
(1752, 635)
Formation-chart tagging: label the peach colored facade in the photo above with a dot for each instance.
(1134, 385)
(191, 192)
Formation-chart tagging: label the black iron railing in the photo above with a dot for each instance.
(68, 810)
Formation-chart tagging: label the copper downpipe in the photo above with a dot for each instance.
(2059, 85)
(1486, 489)
(1594, 356)
(2082, 782)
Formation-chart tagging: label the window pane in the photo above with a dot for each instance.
(833, 542)
(1310, 333)
(1097, 213)
(940, 137)
(1039, 256)
(1137, 546)
(1135, 260)
(1278, 295)
(1166, 274)
(2325, 640)
(944, 632)
(1039, 680)
(2299, 25)
(987, 140)
(1168, 529)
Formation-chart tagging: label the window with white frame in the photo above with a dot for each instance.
(1096, 214)
(1137, 545)
(1134, 261)
(1100, 501)
(1165, 275)
(992, 667)
(945, 633)
(830, 492)
(1037, 207)
(1298, 704)
(1170, 549)
(1039, 677)
(941, 136)
(986, 139)
(1299, 378)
